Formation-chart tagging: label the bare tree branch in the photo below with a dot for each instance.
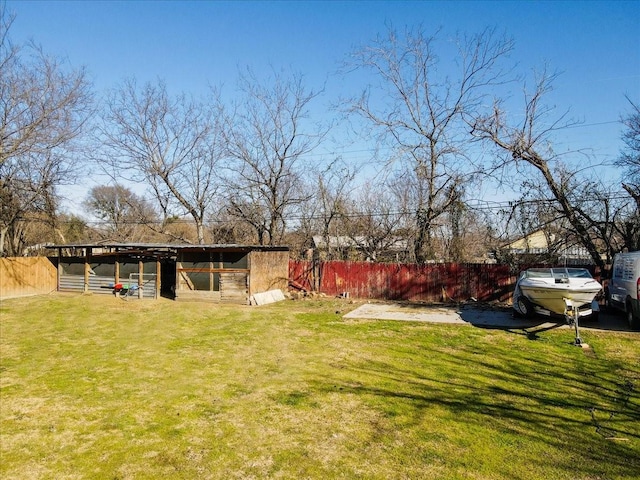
(528, 143)
(43, 109)
(422, 114)
(268, 139)
(172, 144)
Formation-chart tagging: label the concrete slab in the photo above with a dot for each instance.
(264, 298)
(380, 311)
(496, 318)
(482, 316)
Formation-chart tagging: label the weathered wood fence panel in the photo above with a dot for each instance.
(21, 276)
(393, 281)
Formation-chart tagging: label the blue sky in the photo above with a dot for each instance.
(192, 44)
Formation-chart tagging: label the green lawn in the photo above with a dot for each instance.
(98, 387)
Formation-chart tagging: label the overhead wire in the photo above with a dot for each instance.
(472, 204)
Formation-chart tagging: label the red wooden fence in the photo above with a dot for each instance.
(393, 281)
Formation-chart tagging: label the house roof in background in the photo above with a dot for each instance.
(533, 240)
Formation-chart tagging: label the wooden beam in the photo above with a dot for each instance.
(87, 268)
(158, 279)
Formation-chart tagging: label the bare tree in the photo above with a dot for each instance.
(616, 219)
(455, 240)
(268, 139)
(418, 111)
(74, 228)
(124, 214)
(171, 144)
(329, 186)
(331, 202)
(372, 224)
(43, 108)
(630, 156)
(224, 228)
(528, 144)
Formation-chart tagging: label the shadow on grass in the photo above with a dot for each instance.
(502, 317)
(531, 330)
(576, 413)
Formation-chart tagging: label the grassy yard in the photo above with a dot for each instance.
(98, 387)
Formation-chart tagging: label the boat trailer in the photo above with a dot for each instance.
(572, 314)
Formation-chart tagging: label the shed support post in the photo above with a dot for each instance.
(140, 277)
(59, 270)
(87, 269)
(158, 279)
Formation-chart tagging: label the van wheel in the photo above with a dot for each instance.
(607, 301)
(525, 306)
(632, 320)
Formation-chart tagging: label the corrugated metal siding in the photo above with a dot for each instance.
(97, 284)
(149, 288)
(393, 281)
(71, 283)
(301, 274)
(102, 285)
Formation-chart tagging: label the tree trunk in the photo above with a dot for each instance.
(200, 231)
(570, 213)
(3, 235)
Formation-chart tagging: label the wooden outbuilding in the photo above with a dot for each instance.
(215, 273)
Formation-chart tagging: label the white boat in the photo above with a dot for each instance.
(553, 290)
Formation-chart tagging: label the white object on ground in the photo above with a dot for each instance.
(265, 298)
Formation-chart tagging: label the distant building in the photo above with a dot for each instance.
(546, 247)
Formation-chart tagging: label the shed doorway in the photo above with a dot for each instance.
(168, 278)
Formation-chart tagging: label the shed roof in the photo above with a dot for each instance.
(169, 245)
(168, 248)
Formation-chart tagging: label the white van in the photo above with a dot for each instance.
(622, 291)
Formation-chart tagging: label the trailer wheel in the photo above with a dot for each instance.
(632, 320)
(607, 301)
(525, 306)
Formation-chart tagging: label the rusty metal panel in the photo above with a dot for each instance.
(393, 281)
(301, 275)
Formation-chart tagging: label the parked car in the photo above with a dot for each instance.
(623, 287)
